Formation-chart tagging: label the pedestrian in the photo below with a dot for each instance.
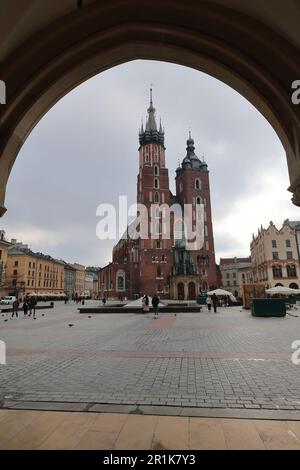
(32, 306)
(155, 303)
(25, 307)
(104, 301)
(208, 303)
(15, 308)
(214, 299)
(145, 303)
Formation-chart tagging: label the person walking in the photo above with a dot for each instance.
(214, 299)
(208, 303)
(32, 306)
(104, 301)
(145, 303)
(15, 308)
(155, 303)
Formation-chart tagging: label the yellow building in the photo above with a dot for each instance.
(79, 279)
(4, 246)
(33, 273)
(274, 256)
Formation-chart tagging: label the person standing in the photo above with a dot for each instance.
(104, 301)
(15, 308)
(25, 307)
(155, 303)
(145, 303)
(208, 303)
(214, 299)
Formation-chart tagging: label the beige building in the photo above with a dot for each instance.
(274, 256)
(234, 272)
(79, 279)
(33, 273)
(4, 246)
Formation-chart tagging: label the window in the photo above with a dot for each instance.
(15, 272)
(158, 271)
(32, 282)
(288, 243)
(153, 259)
(147, 153)
(156, 183)
(0, 254)
(234, 275)
(289, 255)
(163, 258)
(30, 264)
(120, 280)
(275, 254)
(198, 200)
(155, 153)
(228, 283)
(156, 170)
(277, 271)
(16, 263)
(227, 275)
(291, 270)
(274, 244)
(163, 198)
(29, 273)
(156, 197)
(28, 283)
(197, 184)
(157, 243)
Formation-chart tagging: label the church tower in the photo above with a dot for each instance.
(192, 187)
(152, 191)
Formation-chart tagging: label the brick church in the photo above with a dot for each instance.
(163, 266)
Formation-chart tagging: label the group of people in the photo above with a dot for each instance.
(29, 304)
(155, 304)
(212, 300)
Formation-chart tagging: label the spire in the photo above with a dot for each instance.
(151, 134)
(191, 161)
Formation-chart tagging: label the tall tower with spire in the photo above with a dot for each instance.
(153, 190)
(192, 187)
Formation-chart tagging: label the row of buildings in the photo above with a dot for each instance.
(274, 260)
(23, 271)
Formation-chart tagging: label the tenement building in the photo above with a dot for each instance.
(164, 265)
(235, 271)
(274, 256)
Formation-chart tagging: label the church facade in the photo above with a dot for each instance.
(164, 265)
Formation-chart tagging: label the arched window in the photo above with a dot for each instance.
(293, 286)
(147, 153)
(155, 153)
(198, 200)
(156, 197)
(197, 183)
(156, 170)
(156, 183)
(277, 271)
(120, 280)
(291, 270)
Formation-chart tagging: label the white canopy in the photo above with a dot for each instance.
(282, 290)
(221, 292)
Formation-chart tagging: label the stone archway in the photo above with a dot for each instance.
(191, 291)
(255, 53)
(180, 291)
(293, 285)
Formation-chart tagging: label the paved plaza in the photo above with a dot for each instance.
(229, 360)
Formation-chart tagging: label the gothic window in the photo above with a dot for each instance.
(198, 200)
(155, 153)
(156, 197)
(156, 183)
(147, 153)
(197, 184)
(120, 280)
(156, 171)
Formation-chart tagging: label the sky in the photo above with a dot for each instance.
(84, 152)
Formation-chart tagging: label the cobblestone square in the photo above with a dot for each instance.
(206, 360)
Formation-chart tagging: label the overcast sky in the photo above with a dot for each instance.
(85, 152)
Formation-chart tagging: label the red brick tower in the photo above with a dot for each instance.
(153, 189)
(192, 187)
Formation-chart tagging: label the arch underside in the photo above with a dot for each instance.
(238, 50)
